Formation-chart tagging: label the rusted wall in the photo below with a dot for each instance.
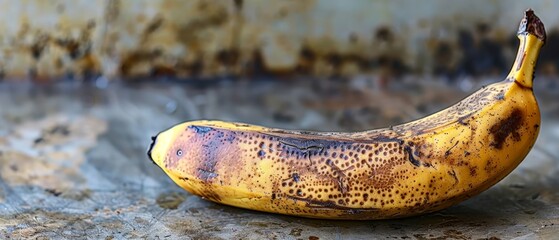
(211, 38)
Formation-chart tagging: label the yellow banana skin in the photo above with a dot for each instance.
(414, 168)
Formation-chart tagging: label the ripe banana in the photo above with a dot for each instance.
(414, 168)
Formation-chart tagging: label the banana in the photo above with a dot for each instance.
(414, 168)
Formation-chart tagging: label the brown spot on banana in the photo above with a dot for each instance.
(473, 171)
(208, 191)
(507, 127)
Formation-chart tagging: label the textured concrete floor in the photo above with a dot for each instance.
(73, 162)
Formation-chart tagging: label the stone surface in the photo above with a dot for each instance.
(73, 162)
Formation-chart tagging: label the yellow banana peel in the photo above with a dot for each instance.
(410, 169)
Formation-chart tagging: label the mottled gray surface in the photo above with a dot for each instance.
(73, 162)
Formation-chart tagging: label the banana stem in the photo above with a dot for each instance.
(531, 33)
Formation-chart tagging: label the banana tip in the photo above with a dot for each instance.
(153, 141)
(531, 24)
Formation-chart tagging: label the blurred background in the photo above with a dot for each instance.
(199, 40)
(84, 84)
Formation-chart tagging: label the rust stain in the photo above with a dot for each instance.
(212, 38)
(228, 57)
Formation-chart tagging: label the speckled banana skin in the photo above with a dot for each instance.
(418, 167)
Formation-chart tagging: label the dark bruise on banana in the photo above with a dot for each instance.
(417, 167)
